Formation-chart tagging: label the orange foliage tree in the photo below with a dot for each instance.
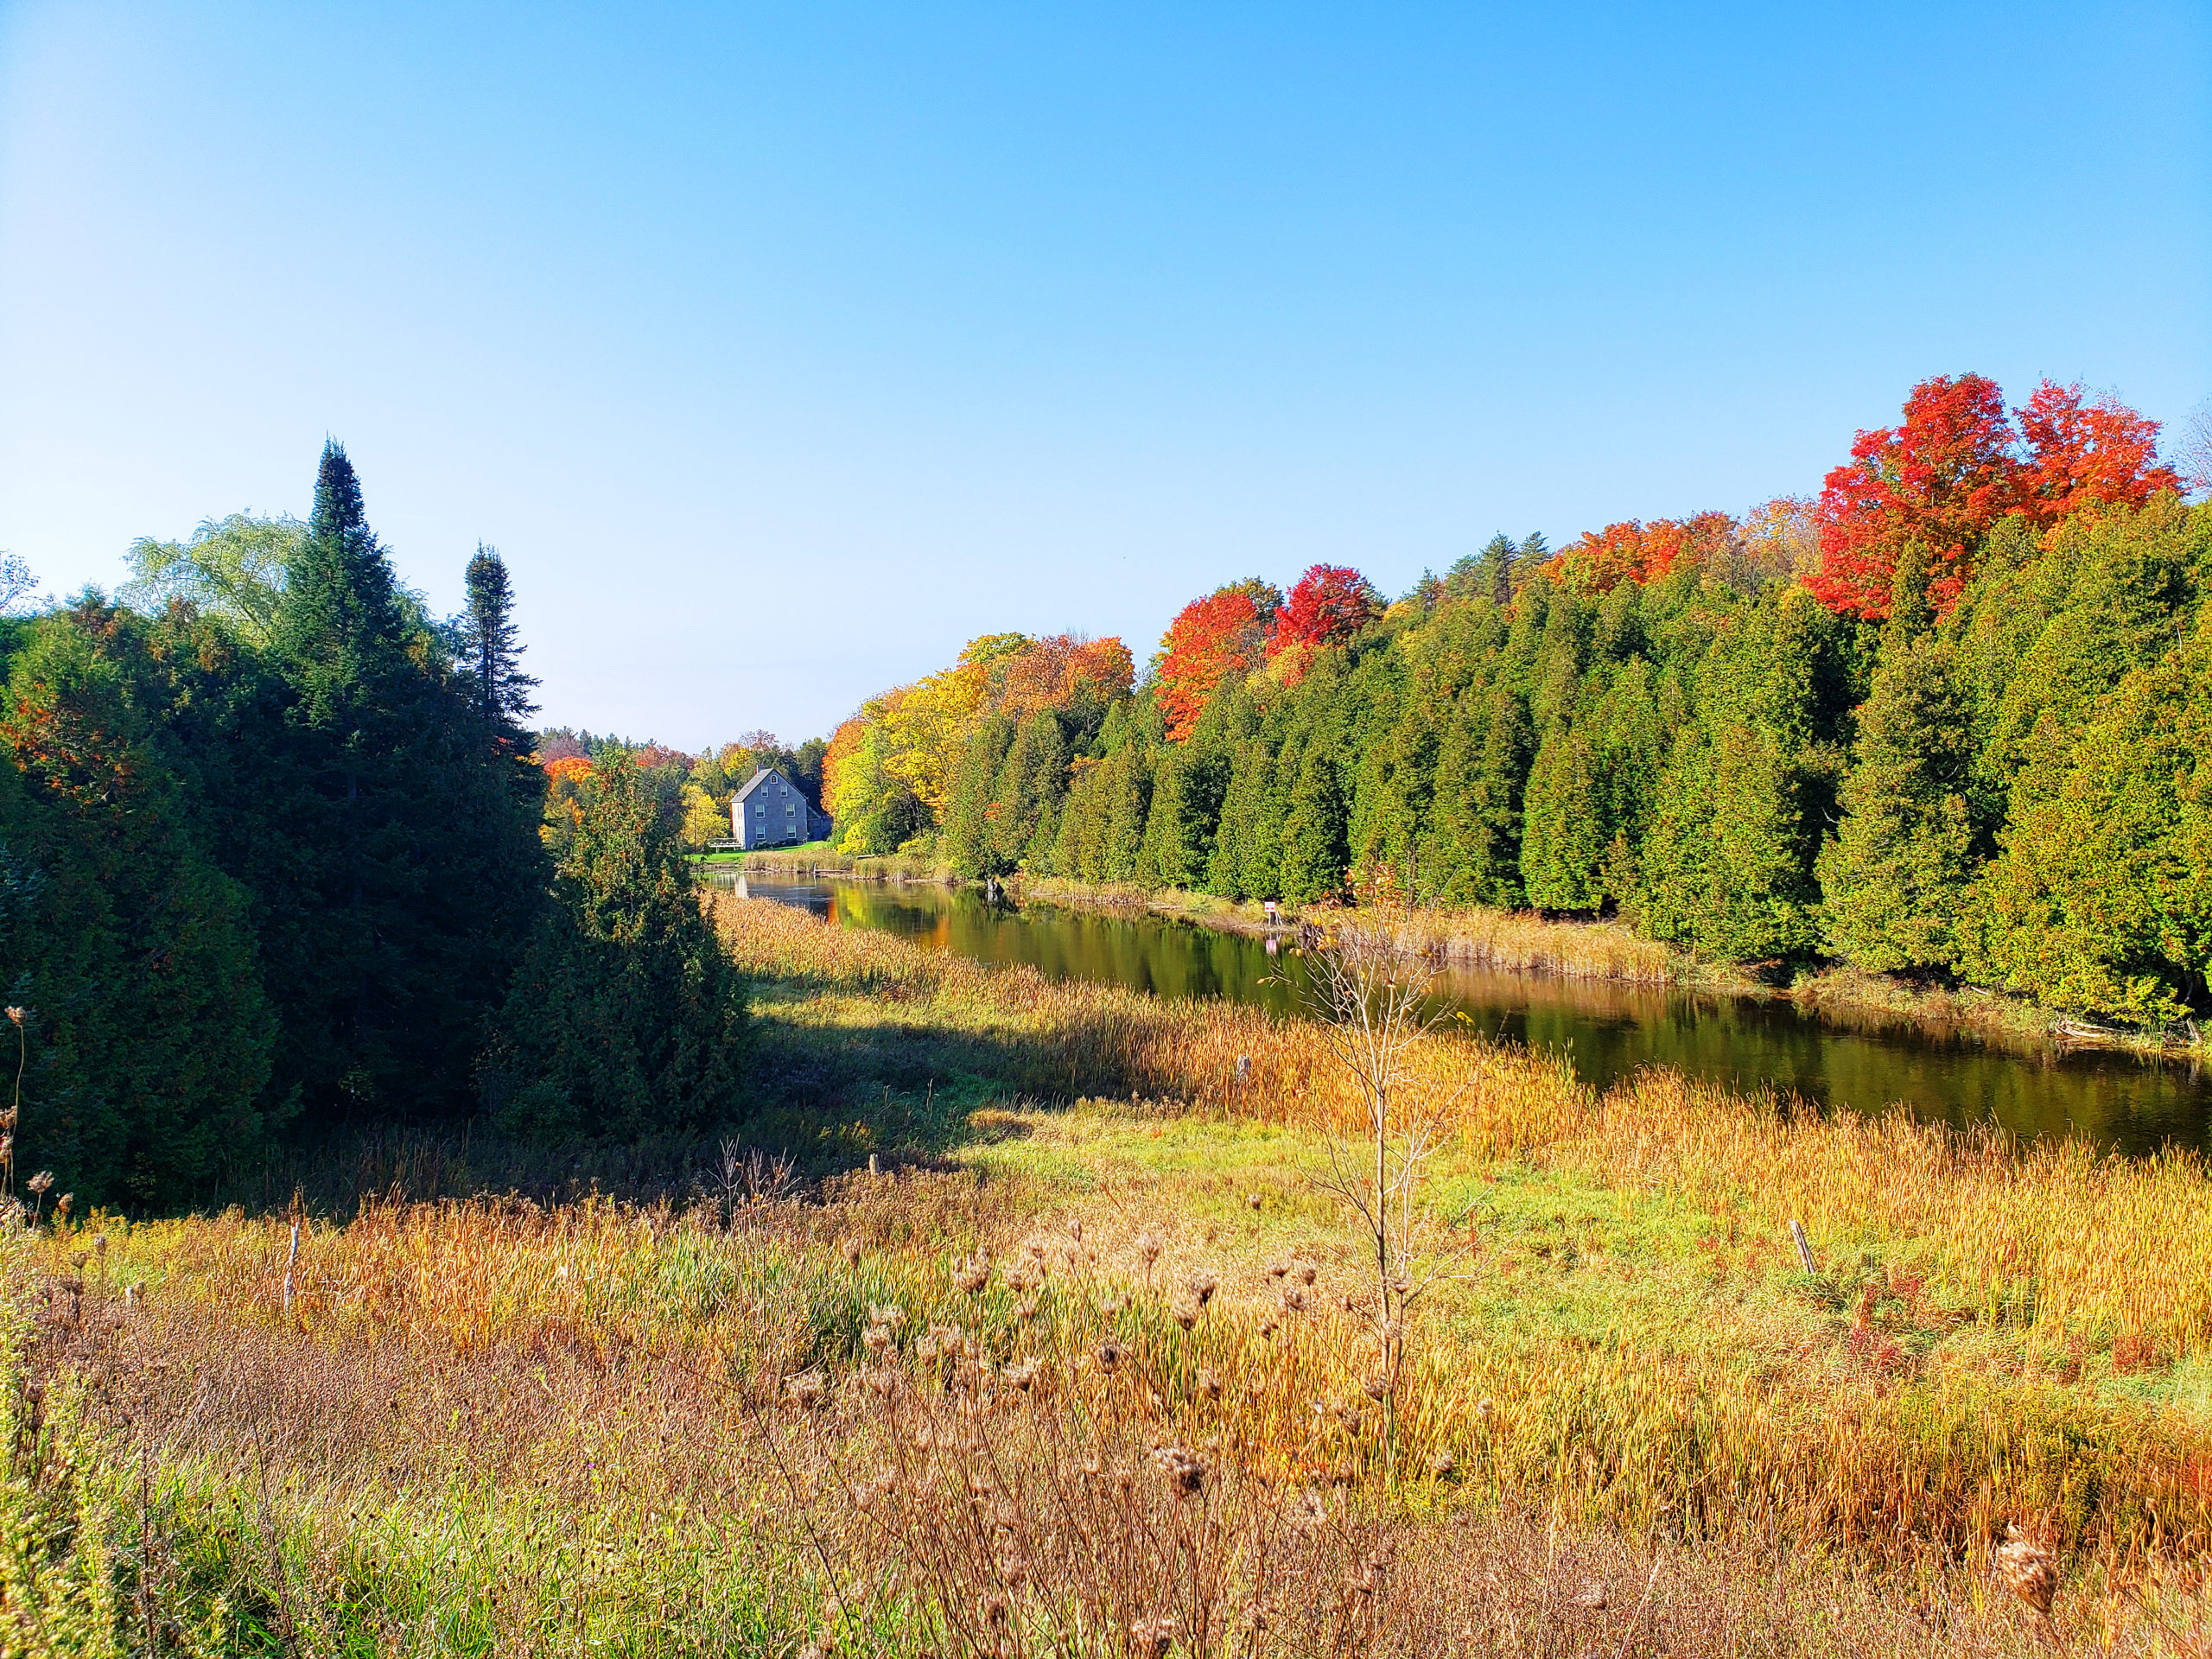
(1956, 466)
(1064, 669)
(1635, 551)
(1209, 639)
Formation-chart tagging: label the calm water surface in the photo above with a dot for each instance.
(1607, 1030)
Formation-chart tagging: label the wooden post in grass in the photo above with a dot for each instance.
(289, 1261)
(1804, 1247)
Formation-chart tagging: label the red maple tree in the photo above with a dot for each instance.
(1210, 639)
(1956, 466)
(2102, 456)
(1330, 603)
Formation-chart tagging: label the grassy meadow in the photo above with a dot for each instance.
(1085, 1366)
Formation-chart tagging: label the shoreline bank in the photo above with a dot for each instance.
(1522, 942)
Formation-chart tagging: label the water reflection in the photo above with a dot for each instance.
(1607, 1030)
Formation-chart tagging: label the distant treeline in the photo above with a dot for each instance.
(694, 790)
(1953, 720)
(274, 861)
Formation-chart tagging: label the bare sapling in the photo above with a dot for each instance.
(1371, 995)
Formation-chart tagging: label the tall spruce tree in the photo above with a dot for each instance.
(492, 648)
(390, 838)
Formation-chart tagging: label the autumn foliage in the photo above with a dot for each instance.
(1330, 603)
(1209, 639)
(1956, 466)
(1635, 551)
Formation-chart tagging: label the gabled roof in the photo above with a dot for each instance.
(754, 782)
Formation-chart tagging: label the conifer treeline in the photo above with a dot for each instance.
(1996, 769)
(271, 861)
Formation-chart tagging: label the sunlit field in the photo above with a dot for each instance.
(1083, 1366)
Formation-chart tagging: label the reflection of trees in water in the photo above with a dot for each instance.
(1858, 1060)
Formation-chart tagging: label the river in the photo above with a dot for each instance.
(1607, 1030)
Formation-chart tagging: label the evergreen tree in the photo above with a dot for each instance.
(1567, 831)
(1125, 778)
(390, 838)
(1719, 869)
(149, 1035)
(1030, 781)
(1239, 867)
(972, 801)
(491, 649)
(626, 1016)
(1896, 873)
(1315, 846)
(1186, 801)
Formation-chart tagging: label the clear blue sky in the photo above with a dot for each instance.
(781, 348)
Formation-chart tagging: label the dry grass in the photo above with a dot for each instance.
(1124, 1406)
(486, 1427)
(2069, 1245)
(1518, 942)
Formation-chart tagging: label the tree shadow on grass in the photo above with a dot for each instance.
(824, 1099)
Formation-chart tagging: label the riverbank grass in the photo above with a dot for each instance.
(1982, 1319)
(1079, 1359)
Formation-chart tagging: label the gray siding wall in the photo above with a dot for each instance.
(774, 815)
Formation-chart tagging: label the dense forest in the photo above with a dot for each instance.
(1953, 719)
(276, 860)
